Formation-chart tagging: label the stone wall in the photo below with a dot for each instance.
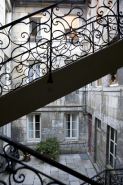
(53, 124)
(105, 103)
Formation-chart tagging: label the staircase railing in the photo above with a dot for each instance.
(40, 47)
(13, 169)
(109, 177)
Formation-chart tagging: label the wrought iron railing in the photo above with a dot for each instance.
(49, 39)
(108, 177)
(13, 169)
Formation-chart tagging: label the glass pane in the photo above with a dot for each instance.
(37, 134)
(37, 126)
(30, 118)
(115, 136)
(112, 134)
(99, 124)
(30, 126)
(112, 148)
(37, 118)
(74, 117)
(30, 134)
(111, 160)
(67, 133)
(74, 125)
(115, 149)
(30, 74)
(37, 75)
(5, 130)
(74, 133)
(68, 117)
(67, 125)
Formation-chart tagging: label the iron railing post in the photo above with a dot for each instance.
(108, 29)
(93, 36)
(118, 19)
(51, 35)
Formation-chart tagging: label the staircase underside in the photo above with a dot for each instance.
(70, 78)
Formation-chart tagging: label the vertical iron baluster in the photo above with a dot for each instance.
(108, 30)
(51, 34)
(85, 98)
(93, 36)
(118, 19)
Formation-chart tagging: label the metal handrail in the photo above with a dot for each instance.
(32, 14)
(25, 149)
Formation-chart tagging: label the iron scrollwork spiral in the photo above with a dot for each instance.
(15, 167)
(57, 37)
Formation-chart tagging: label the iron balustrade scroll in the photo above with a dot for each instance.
(50, 38)
(15, 166)
(109, 177)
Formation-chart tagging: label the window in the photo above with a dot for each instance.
(72, 21)
(71, 126)
(112, 144)
(34, 71)
(99, 82)
(34, 127)
(113, 79)
(98, 123)
(5, 79)
(71, 36)
(7, 130)
(35, 27)
(6, 15)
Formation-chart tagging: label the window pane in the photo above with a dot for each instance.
(74, 125)
(30, 126)
(74, 133)
(37, 118)
(30, 118)
(112, 147)
(112, 134)
(115, 149)
(67, 125)
(37, 126)
(30, 134)
(67, 133)
(111, 160)
(30, 74)
(5, 130)
(99, 124)
(37, 75)
(37, 134)
(115, 136)
(74, 117)
(68, 117)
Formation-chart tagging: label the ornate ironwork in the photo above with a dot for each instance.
(14, 170)
(108, 177)
(48, 45)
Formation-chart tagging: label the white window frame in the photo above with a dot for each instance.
(114, 146)
(72, 138)
(33, 139)
(7, 128)
(8, 133)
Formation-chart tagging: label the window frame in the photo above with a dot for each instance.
(114, 146)
(8, 129)
(99, 84)
(37, 21)
(34, 138)
(113, 83)
(77, 128)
